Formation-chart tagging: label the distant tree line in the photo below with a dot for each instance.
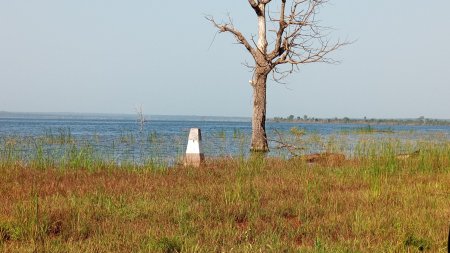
(306, 119)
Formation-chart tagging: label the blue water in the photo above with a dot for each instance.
(119, 139)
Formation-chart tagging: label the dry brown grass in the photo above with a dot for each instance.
(267, 205)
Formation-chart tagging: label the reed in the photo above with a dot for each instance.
(368, 130)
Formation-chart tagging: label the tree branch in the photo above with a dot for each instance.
(278, 50)
(229, 27)
(255, 5)
(299, 37)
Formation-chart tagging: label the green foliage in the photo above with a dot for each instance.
(169, 245)
(367, 130)
(8, 232)
(418, 243)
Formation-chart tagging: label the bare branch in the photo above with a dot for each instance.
(283, 144)
(282, 26)
(253, 3)
(299, 37)
(229, 27)
(256, 5)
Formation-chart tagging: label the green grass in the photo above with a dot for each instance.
(373, 202)
(367, 130)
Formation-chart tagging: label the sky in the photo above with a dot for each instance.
(109, 56)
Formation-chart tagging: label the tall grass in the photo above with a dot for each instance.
(73, 200)
(64, 151)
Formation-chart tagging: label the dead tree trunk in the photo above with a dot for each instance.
(259, 138)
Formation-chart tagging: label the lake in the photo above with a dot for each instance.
(123, 139)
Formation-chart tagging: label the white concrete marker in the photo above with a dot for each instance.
(194, 155)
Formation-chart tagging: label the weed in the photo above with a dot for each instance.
(418, 243)
(169, 245)
(73, 201)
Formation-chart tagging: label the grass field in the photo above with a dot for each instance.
(371, 202)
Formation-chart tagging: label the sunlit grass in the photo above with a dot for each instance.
(367, 130)
(377, 200)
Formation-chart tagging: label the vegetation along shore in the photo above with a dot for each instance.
(373, 200)
(368, 121)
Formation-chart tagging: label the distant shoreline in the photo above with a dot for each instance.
(422, 121)
(390, 122)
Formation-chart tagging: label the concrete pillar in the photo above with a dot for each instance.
(194, 155)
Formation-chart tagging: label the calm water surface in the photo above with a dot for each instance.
(119, 139)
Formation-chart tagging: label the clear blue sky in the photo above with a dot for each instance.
(107, 56)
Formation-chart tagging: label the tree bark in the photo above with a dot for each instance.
(259, 138)
(262, 30)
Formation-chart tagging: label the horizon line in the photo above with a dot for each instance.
(203, 116)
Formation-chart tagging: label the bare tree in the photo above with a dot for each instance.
(140, 117)
(298, 38)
